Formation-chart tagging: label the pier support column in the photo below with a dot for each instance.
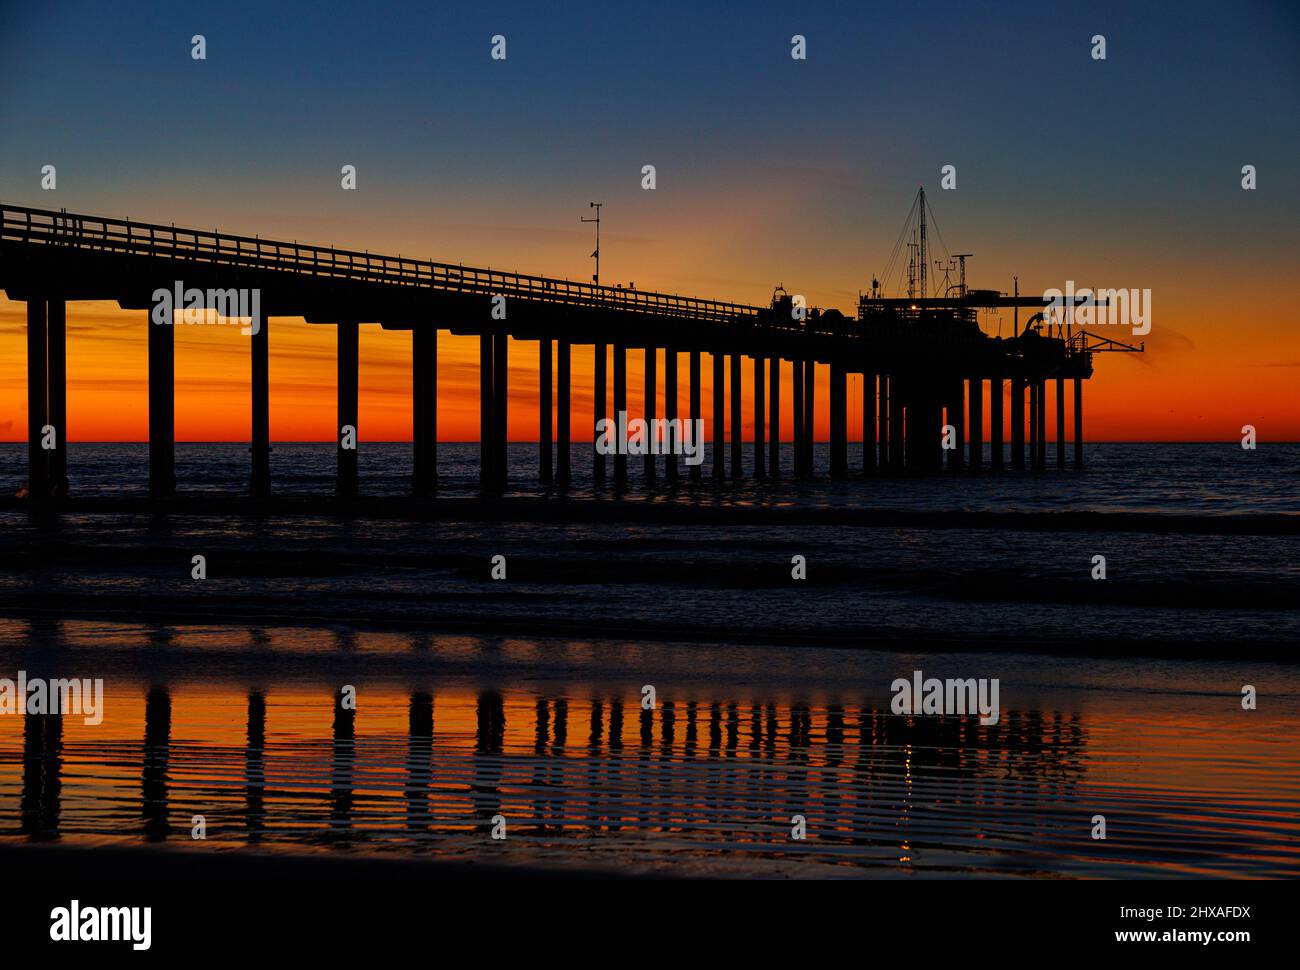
(1042, 426)
(696, 415)
(1035, 401)
(260, 434)
(719, 415)
(545, 349)
(424, 404)
(162, 408)
(882, 421)
(912, 421)
(942, 413)
(486, 425)
(57, 388)
(995, 423)
(736, 445)
(620, 415)
(1078, 422)
(809, 417)
(939, 414)
(1060, 422)
(1031, 415)
(975, 420)
(797, 406)
(431, 453)
(925, 417)
(501, 394)
(760, 399)
(1033, 425)
(1017, 423)
(774, 417)
(956, 408)
(839, 424)
(897, 414)
(38, 459)
(348, 435)
(868, 421)
(600, 410)
(649, 406)
(563, 414)
(670, 413)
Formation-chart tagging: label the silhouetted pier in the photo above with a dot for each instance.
(924, 363)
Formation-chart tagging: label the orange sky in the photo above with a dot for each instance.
(1185, 388)
(768, 171)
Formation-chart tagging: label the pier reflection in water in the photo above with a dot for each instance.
(706, 782)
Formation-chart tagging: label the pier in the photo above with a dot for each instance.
(924, 362)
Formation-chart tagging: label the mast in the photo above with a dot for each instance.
(961, 257)
(923, 255)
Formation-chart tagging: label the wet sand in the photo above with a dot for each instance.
(551, 735)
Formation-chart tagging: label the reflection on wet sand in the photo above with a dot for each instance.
(341, 769)
(841, 767)
(153, 784)
(42, 746)
(255, 766)
(707, 781)
(419, 764)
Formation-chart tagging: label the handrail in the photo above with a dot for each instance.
(95, 233)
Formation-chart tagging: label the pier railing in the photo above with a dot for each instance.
(122, 236)
(921, 374)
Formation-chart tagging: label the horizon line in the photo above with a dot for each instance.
(585, 441)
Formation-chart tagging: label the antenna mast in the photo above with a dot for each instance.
(961, 258)
(1016, 280)
(596, 254)
(923, 253)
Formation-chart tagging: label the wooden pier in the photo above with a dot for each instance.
(924, 364)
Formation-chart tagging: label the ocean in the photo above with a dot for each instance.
(522, 698)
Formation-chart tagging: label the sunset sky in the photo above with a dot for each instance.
(1117, 173)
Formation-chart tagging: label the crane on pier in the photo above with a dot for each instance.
(925, 315)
